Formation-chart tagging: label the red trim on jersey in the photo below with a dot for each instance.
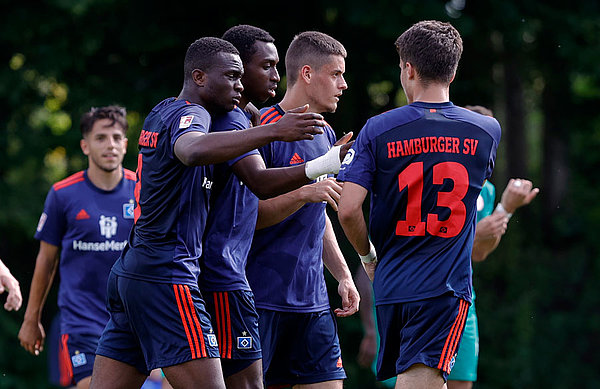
(129, 175)
(453, 337)
(137, 211)
(183, 321)
(72, 179)
(196, 321)
(267, 119)
(64, 362)
(267, 113)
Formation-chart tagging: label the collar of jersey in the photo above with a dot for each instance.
(422, 104)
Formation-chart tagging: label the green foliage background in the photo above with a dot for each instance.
(533, 63)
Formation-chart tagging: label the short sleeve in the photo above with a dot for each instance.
(52, 224)
(359, 164)
(193, 118)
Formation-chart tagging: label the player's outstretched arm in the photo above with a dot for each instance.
(31, 334)
(335, 262)
(268, 182)
(489, 230)
(518, 192)
(10, 284)
(196, 148)
(353, 223)
(277, 209)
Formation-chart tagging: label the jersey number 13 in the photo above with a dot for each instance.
(411, 178)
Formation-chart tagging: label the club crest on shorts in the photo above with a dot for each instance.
(186, 121)
(244, 342)
(78, 359)
(212, 340)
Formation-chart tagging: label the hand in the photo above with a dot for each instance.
(328, 190)
(491, 227)
(252, 110)
(297, 124)
(517, 193)
(31, 336)
(343, 141)
(367, 350)
(350, 298)
(9, 283)
(370, 269)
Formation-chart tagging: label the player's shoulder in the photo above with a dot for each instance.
(270, 114)
(70, 181)
(486, 123)
(236, 119)
(128, 175)
(391, 119)
(183, 111)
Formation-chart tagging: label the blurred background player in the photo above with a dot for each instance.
(10, 284)
(424, 164)
(285, 266)
(157, 314)
(233, 213)
(87, 218)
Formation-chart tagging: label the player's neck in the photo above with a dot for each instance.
(295, 98)
(104, 180)
(434, 93)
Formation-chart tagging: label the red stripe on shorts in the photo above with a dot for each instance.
(64, 362)
(452, 338)
(196, 321)
(183, 321)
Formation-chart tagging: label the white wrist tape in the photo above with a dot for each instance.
(500, 208)
(371, 257)
(328, 163)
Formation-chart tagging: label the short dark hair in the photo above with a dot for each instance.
(115, 113)
(433, 48)
(311, 48)
(244, 36)
(201, 54)
(480, 110)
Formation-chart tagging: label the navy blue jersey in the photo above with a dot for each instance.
(171, 199)
(231, 219)
(91, 227)
(285, 265)
(425, 165)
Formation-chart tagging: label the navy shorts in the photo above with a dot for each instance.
(155, 325)
(300, 348)
(76, 356)
(235, 320)
(427, 331)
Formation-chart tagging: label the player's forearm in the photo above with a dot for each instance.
(333, 259)
(355, 228)
(217, 147)
(43, 275)
(483, 247)
(363, 284)
(266, 183)
(277, 209)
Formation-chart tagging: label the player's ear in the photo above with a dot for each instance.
(84, 146)
(306, 73)
(199, 77)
